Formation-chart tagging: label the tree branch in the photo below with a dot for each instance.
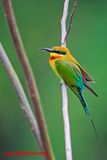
(63, 22)
(21, 95)
(64, 35)
(70, 20)
(31, 83)
(68, 147)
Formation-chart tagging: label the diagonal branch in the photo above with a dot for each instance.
(31, 83)
(25, 106)
(70, 20)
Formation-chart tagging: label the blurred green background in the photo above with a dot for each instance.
(39, 24)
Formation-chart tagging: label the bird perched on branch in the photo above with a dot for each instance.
(66, 67)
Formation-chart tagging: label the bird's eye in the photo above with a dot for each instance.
(61, 52)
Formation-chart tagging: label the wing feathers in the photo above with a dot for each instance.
(89, 88)
(86, 75)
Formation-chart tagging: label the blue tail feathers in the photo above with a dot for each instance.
(84, 104)
(86, 109)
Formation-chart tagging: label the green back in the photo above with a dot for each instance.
(70, 73)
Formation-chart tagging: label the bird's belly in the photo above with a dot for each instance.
(52, 64)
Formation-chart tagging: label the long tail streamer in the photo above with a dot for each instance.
(93, 125)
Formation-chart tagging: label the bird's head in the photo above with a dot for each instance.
(57, 51)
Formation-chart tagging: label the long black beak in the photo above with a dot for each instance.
(53, 51)
(47, 49)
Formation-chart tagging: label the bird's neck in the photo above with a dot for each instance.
(54, 57)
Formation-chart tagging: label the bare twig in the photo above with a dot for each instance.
(21, 95)
(32, 87)
(64, 35)
(63, 22)
(71, 18)
(68, 148)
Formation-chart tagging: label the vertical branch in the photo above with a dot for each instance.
(63, 23)
(64, 36)
(21, 95)
(68, 148)
(31, 83)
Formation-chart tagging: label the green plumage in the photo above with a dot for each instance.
(72, 76)
(66, 67)
(70, 73)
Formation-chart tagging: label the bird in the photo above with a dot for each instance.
(68, 69)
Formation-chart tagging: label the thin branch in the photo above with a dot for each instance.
(63, 22)
(21, 95)
(68, 147)
(31, 83)
(71, 18)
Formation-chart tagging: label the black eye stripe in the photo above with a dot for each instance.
(60, 52)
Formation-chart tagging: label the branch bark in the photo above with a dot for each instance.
(25, 106)
(63, 23)
(70, 20)
(64, 36)
(68, 148)
(31, 83)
